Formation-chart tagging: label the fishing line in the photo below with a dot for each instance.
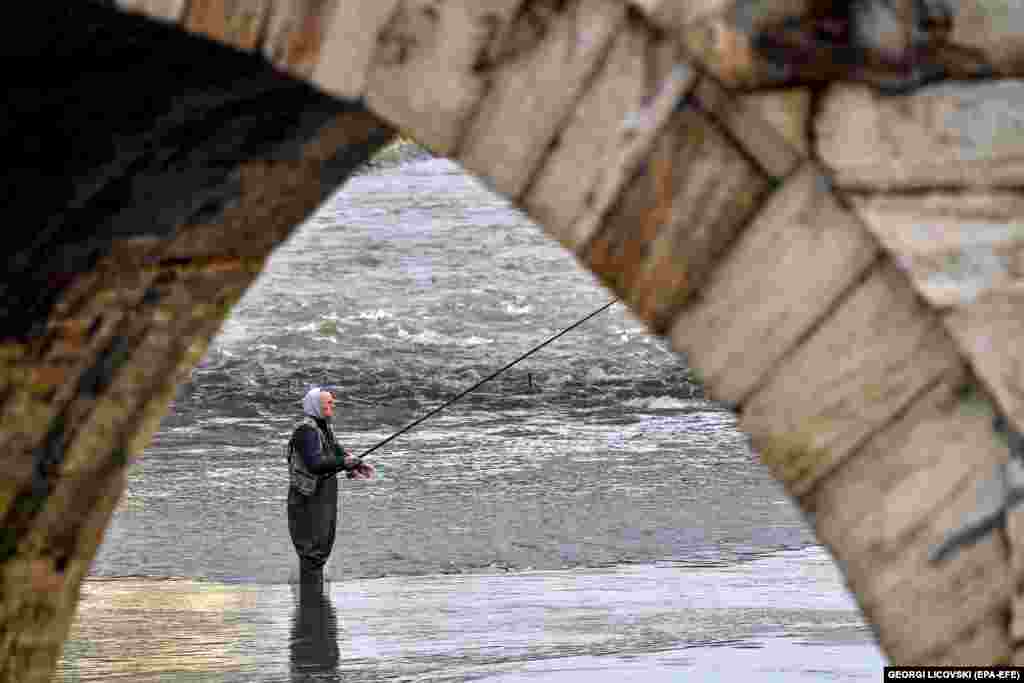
(489, 377)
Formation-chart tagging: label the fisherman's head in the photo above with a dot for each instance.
(319, 403)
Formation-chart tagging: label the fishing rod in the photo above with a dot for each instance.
(489, 377)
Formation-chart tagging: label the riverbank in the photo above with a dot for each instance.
(779, 618)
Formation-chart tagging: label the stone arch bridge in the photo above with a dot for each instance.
(818, 202)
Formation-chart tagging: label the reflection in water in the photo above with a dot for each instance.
(314, 637)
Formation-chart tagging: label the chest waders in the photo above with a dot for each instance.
(313, 516)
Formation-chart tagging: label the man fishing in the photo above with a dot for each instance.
(314, 459)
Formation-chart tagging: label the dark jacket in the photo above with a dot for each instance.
(320, 452)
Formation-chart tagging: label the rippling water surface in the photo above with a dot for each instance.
(595, 454)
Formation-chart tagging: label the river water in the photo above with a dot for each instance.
(586, 512)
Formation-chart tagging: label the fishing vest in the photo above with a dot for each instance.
(299, 477)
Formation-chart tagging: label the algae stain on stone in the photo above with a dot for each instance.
(793, 458)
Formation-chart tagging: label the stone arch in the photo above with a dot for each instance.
(770, 185)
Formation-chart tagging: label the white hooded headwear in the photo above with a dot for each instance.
(311, 403)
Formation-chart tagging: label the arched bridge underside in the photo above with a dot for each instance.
(818, 202)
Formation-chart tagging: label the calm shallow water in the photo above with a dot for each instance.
(593, 456)
(781, 618)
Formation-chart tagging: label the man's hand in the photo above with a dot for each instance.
(344, 457)
(361, 470)
(353, 465)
